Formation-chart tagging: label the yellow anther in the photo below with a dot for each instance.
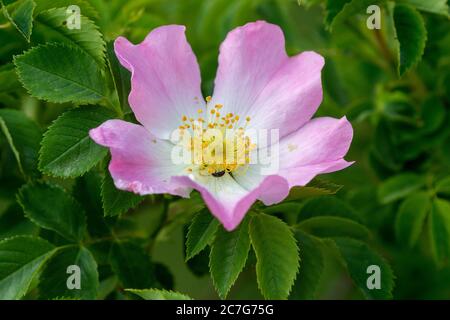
(218, 106)
(200, 110)
(213, 111)
(208, 98)
(236, 117)
(184, 118)
(247, 119)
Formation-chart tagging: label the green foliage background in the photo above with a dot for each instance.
(58, 204)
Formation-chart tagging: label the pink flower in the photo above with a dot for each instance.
(257, 86)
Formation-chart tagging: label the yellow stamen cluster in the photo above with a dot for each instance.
(217, 144)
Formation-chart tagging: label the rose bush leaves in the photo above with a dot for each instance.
(228, 256)
(409, 26)
(132, 265)
(115, 201)
(155, 294)
(432, 6)
(357, 256)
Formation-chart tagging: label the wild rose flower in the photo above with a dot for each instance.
(257, 86)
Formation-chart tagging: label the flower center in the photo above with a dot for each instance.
(216, 143)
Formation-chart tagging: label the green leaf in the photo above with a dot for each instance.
(317, 187)
(88, 38)
(440, 230)
(333, 8)
(56, 276)
(443, 187)
(411, 35)
(399, 186)
(164, 276)
(384, 148)
(339, 10)
(185, 210)
(411, 217)
(85, 7)
(357, 257)
(432, 6)
(8, 78)
(59, 73)
(67, 150)
(310, 273)
(24, 137)
(432, 115)
(20, 14)
(325, 227)
(50, 207)
(228, 255)
(132, 265)
(201, 233)
(157, 294)
(327, 206)
(199, 264)
(87, 192)
(21, 259)
(13, 223)
(115, 201)
(277, 255)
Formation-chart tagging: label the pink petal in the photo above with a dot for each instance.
(256, 78)
(229, 202)
(165, 82)
(318, 147)
(140, 162)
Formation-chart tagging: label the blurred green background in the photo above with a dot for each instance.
(401, 127)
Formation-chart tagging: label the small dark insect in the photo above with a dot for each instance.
(218, 174)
